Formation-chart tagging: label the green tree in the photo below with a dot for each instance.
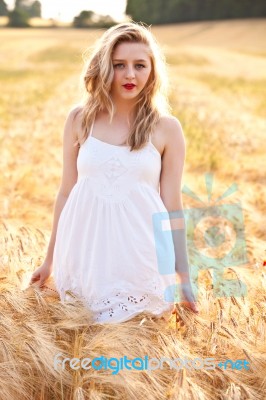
(3, 8)
(83, 20)
(18, 19)
(105, 21)
(32, 8)
(22, 12)
(35, 9)
(169, 11)
(22, 5)
(86, 19)
(138, 9)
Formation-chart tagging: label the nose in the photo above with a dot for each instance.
(130, 73)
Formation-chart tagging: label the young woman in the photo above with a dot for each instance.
(123, 157)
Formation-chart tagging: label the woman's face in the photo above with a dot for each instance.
(132, 68)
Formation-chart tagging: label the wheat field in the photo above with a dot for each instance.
(217, 76)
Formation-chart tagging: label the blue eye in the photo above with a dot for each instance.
(137, 65)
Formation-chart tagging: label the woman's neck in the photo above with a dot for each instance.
(122, 114)
(124, 109)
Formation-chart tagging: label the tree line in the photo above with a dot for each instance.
(22, 12)
(147, 11)
(171, 11)
(26, 9)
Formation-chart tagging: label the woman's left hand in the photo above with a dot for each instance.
(187, 298)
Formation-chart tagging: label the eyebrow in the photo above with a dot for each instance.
(134, 60)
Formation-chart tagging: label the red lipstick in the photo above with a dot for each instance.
(129, 86)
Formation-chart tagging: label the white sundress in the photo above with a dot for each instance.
(105, 251)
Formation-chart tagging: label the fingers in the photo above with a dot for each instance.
(34, 278)
(188, 304)
(42, 282)
(191, 305)
(188, 296)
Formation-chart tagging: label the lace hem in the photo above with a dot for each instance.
(120, 305)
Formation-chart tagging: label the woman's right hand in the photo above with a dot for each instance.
(42, 273)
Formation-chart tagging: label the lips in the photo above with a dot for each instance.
(129, 86)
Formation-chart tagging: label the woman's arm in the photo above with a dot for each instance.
(69, 175)
(170, 191)
(58, 207)
(69, 178)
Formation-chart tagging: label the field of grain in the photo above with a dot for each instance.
(217, 74)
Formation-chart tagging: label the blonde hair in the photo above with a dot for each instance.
(98, 75)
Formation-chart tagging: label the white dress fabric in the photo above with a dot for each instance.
(105, 252)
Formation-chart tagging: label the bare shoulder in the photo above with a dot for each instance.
(171, 133)
(172, 128)
(75, 117)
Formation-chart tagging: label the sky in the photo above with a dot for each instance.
(66, 10)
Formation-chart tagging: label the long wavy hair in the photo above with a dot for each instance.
(97, 76)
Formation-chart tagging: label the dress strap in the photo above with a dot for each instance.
(91, 127)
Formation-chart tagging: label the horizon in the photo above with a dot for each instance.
(57, 9)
